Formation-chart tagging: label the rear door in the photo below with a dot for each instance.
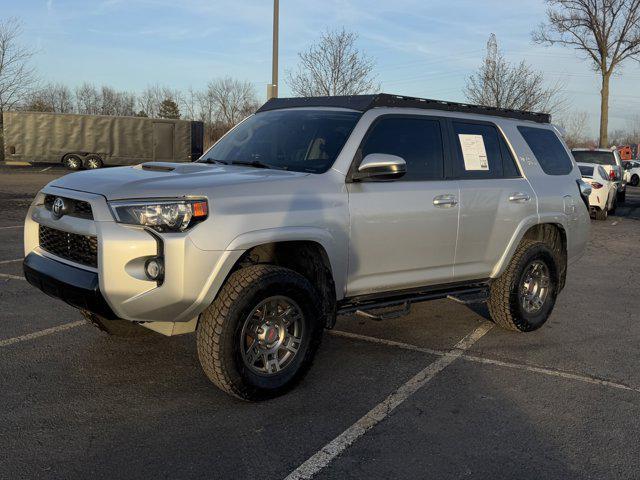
(494, 197)
(403, 231)
(163, 134)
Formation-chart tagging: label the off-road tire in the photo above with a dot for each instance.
(220, 326)
(635, 180)
(116, 328)
(504, 298)
(93, 162)
(72, 161)
(601, 214)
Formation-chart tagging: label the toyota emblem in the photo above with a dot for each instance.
(59, 208)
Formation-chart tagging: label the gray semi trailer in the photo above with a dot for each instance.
(92, 141)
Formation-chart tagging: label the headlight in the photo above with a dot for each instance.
(161, 215)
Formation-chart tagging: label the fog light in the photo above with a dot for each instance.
(154, 268)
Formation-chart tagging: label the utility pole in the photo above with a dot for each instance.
(272, 89)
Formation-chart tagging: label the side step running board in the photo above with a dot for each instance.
(402, 304)
(468, 298)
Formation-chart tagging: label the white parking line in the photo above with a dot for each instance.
(41, 333)
(378, 413)
(45, 169)
(12, 226)
(2, 262)
(11, 277)
(489, 361)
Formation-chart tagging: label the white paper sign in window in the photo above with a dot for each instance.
(473, 152)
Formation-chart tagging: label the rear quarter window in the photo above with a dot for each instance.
(548, 149)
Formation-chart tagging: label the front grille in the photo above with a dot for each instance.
(81, 249)
(77, 208)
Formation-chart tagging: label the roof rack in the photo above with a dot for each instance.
(367, 102)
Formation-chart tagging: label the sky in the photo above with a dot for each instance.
(424, 48)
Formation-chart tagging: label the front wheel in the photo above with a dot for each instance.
(259, 336)
(602, 214)
(522, 298)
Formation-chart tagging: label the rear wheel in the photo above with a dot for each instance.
(91, 162)
(72, 161)
(116, 328)
(260, 335)
(635, 180)
(601, 214)
(522, 298)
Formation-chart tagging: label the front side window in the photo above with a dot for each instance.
(417, 140)
(548, 150)
(298, 140)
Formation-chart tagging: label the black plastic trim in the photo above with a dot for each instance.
(77, 287)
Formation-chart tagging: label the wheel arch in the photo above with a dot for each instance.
(306, 257)
(552, 233)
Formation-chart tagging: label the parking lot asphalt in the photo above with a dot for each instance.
(390, 399)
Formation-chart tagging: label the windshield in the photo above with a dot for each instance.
(599, 158)
(298, 140)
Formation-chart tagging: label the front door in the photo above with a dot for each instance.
(403, 231)
(163, 142)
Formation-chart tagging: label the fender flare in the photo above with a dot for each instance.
(524, 226)
(336, 255)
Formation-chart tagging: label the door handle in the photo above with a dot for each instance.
(519, 197)
(445, 201)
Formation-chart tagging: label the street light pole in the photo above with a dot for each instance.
(272, 89)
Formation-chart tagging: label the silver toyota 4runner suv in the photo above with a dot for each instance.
(311, 208)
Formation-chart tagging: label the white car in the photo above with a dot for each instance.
(603, 194)
(632, 172)
(610, 161)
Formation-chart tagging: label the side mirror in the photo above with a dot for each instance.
(381, 165)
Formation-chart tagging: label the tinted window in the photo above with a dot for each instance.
(479, 154)
(599, 158)
(300, 140)
(548, 150)
(417, 140)
(586, 171)
(509, 168)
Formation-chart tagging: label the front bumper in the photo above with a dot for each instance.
(192, 278)
(76, 286)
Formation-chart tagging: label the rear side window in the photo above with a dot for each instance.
(479, 151)
(586, 171)
(418, 141)
(548, 150)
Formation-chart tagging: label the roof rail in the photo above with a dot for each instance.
(367, 102)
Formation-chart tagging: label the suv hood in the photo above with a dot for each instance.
(160, 179)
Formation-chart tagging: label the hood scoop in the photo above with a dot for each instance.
(157, 167)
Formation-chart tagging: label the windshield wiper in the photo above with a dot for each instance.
(252, 163)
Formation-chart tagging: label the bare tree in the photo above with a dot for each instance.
(574, 125)
(229, 100)
(498, 83)
(333, 66)
(52, 97)
(88, 99)
(17, 77)
(607, 31)
(150, 100)
(114, 102)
